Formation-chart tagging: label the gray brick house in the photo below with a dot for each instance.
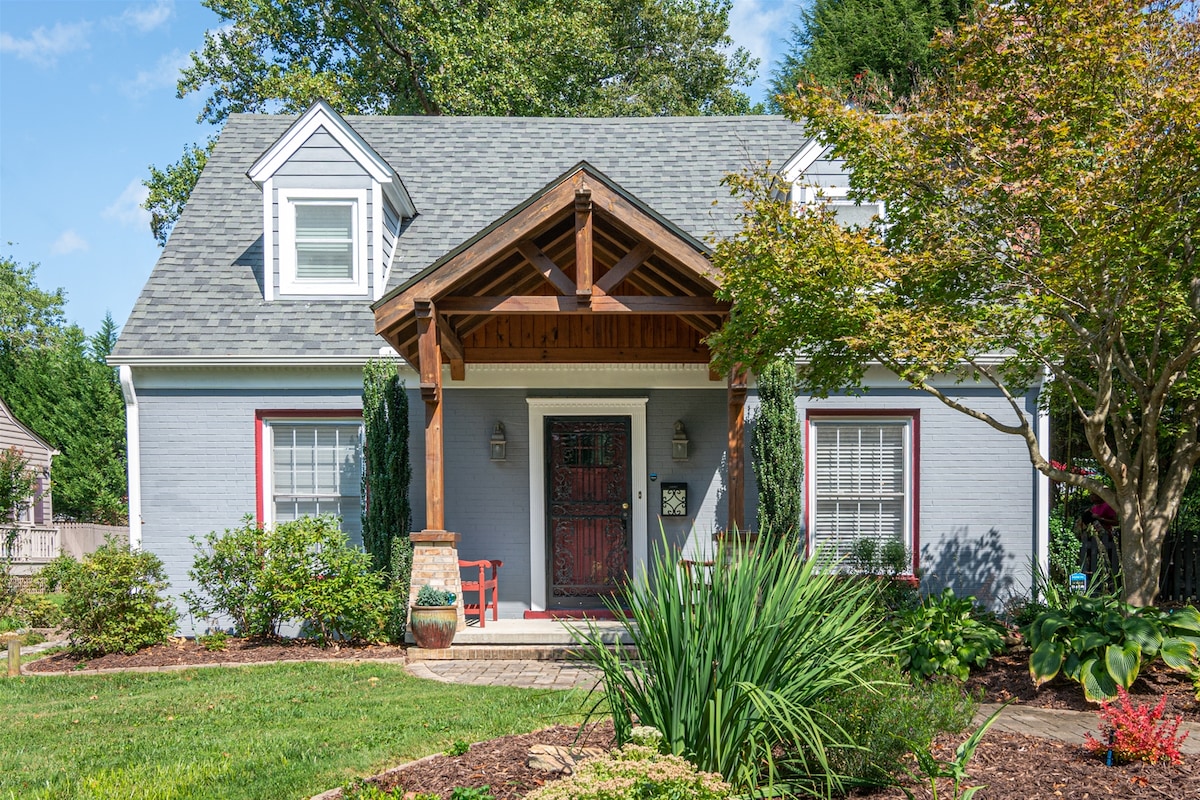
(547, 284)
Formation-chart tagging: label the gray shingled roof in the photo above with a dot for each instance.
(204, 297)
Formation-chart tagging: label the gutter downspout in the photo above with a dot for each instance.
(133, 450)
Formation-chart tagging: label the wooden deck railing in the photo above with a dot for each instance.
(31, 544)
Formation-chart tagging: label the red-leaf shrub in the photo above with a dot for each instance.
(1137, 732)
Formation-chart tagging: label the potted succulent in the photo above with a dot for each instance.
(433, 618)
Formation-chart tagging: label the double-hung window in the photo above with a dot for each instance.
(322, 249)
(312, 467)
(861, 481)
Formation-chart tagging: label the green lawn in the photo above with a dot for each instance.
(285, 731)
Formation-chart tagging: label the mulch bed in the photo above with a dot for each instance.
(186, 652)
(1009, 765)
(1007, 677)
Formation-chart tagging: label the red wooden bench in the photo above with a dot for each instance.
(481, 586)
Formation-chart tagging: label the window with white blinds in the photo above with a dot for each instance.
(316, 468)
(861, 482)
(324, 241)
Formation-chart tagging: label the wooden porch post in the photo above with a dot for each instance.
(430, 356)
(435, 550)
(737, 450)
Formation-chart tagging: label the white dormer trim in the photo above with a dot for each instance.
(802, 160)
(321, 115)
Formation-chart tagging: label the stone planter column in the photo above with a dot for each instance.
(435, 562)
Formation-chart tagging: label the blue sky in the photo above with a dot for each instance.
(87, 103)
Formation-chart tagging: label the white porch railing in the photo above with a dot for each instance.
(32, 543)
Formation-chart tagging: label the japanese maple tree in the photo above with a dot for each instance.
(1042, 199)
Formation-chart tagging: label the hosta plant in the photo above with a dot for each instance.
(1102, 643)
(947, 635)
(1138, 732)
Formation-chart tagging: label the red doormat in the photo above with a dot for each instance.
(575, 613)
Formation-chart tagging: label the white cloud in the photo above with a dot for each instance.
(762, 27)
(127, 208)
(146, 17)
(43, 47)
(164, 75)
(68, 242)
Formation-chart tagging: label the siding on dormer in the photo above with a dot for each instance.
(322, 163)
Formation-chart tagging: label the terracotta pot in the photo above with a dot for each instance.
(433, 627)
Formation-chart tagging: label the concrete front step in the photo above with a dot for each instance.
(468, 652)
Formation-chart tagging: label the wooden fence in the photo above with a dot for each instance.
(35, 546)
(1179, 579)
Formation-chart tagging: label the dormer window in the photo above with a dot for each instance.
(322, 249)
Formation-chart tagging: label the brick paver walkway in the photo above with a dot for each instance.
(1066, 726)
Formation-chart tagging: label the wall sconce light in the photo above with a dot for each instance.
(679, 443)
(498, 442)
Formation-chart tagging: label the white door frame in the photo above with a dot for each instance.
(541, 407)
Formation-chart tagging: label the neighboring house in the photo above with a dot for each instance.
(548, 284)
(36, 540)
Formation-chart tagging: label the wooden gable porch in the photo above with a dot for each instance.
(580, 273)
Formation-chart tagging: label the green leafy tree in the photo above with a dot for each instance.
(56, 381)
(1042, 207)
(387, 472)
(777, 448)
(874, 50)
(170, 187)
(493, 57)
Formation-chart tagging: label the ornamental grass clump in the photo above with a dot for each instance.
(1138, 732)
(733, 664)
(635, 772)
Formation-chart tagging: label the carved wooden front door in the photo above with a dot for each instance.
(588, 499)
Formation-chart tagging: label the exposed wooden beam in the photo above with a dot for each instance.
(610, 304)
(736, 491)
(549, 270)
(452, 348)
(583, 244)
(588, 355)
(628, 263)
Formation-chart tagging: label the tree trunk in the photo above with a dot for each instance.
(1141, 543)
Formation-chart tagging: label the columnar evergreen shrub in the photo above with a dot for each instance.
(387, 516)
(113, 602)
(778, 452)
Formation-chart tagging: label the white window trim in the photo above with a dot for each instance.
(908, 424)
(289, 283)
(267, 455)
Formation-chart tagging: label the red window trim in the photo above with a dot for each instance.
(261, 417)
(852, 413)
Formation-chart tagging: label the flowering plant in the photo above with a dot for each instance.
(1136, 732)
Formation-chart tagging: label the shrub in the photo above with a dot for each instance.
(635, 772)
(887, 563)
(37, 611)
(896, 715)
(302, 570)
(1137, 734)
(1101, 643)
(947, 635)
(778, 449)
(230, 570)
(735, 664)
(387, 470)
(112, 599)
